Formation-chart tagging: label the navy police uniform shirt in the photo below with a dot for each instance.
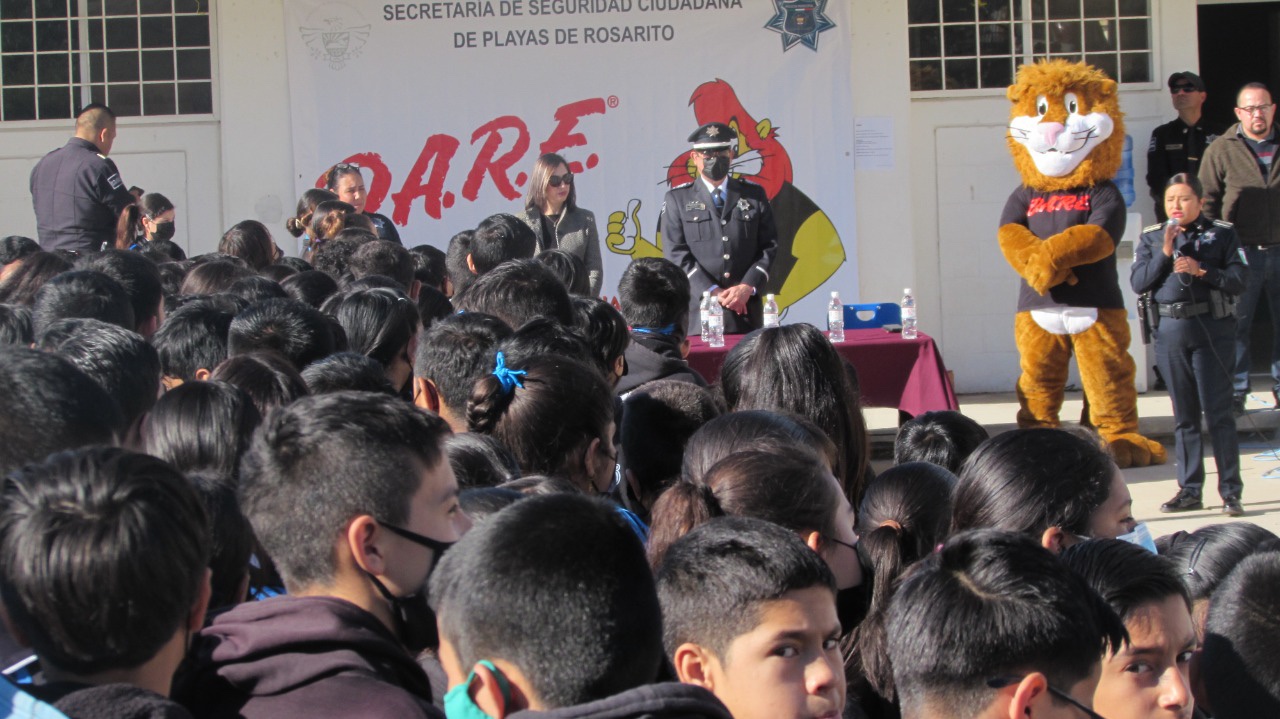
(1213, 243)
(732, 248)
(1176, 147)
(78, 195)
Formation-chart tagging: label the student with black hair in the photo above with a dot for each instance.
(555, 414)
(795, 369)
(433, 306)
(163, 251)
(346, 181)
(16, 247)
(1149, 677)
(497, 239)
(943, 437)
(481, 502)
(992, 625)
(455, 262)
(311, 287)
(1049, 484)
(256, 288)
(193, 340)
(479, 460)
(251, 241)
(382, 324)
(47, 404)
(752, 429)
(749, 613)
(516, 292)
(202, 427)
(606, 333)
(387, 259)
(213, 277)
(654, 295)
(1242, 641)
(795, 490)
(596, 656)
(569, 269)
(266, 376)
(545, 336)
(334, 256)
(342, 371)
(452, 354)
(150, 219)
(24, 277)
(657, 421)
(297, 331)
(297, 264)
(300, 223)
(81, 293)
(15, 326)
(140, 280)
(104, 559)
(904, 515)
(232, 543)
(429, 268)
(351, 497)
(120, 361)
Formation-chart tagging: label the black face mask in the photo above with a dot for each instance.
(715, 167)
(162, 231)
(415, 622)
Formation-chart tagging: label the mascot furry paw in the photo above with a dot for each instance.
(1059, 231)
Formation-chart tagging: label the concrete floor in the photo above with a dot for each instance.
(1259, 429)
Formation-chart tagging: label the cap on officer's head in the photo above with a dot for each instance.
(713, 136)
(1190, 78)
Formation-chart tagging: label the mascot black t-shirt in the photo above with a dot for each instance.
(1049, 213)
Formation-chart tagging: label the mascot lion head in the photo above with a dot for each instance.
(1065, 128)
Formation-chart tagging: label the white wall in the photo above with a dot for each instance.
(961, 174)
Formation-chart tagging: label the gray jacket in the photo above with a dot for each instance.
(1236, 191)
(576, 233)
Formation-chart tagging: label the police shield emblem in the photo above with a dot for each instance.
(799, 18)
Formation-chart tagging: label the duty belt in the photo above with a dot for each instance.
(1182, 310)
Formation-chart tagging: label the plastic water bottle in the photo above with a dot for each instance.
(715, 323)
(835, 318)
(705, 307)
(770, 311)
(908, 315)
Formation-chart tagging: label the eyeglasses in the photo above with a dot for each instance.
(1183, 88)
(558, 180)
(1002, 682)
(1256, 109)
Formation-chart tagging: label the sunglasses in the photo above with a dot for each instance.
(558, 180)
(1182, 88)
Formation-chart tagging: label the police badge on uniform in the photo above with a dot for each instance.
(799, 22)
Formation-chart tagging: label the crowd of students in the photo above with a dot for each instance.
(390, 482)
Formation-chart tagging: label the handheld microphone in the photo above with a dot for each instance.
(1172, 222)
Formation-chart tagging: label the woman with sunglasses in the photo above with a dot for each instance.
(551, 210)
(346, 181)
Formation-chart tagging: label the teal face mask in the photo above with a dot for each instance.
(458, 703)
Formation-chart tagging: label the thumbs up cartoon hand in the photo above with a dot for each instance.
(625, 236)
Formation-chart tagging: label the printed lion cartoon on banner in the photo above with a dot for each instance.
(1059, 231)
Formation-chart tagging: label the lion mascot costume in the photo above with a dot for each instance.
(1059, 231)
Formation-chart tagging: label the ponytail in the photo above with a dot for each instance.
(683, 506)
(128, 227)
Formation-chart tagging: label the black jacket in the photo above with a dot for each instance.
(303, 657)
(654, 701)
(78, 196)
(652, 357)
(1176, 147)
(107, 701)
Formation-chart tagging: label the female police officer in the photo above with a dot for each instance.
(1192, 266)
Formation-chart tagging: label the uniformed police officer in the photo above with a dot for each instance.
(1178, 145)
(76, 191)
(1193, 267)
(720, 231)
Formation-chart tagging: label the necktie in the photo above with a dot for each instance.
(718, 198)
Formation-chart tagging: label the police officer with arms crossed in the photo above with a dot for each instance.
(76, 191)
(1193, 268)
(720, 231)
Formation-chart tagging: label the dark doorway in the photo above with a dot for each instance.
(1240, 43)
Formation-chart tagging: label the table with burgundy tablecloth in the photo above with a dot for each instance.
(892, 371)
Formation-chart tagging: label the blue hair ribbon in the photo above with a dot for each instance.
(668, 330)
(509, 378)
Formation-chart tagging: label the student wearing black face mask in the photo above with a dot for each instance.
(720, 230)
(149, 220)
(351, 496)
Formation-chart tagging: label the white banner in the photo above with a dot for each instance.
(447, 105)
